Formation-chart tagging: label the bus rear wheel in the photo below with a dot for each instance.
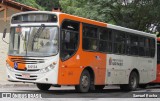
(133, 82)
(43, 87)
(84, 83)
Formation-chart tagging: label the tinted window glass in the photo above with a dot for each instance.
(105, 42)
(37, 17)
(90, 38)
(69, 39)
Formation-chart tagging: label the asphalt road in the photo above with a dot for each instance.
(68, 93)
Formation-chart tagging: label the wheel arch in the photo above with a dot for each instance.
(91, 72)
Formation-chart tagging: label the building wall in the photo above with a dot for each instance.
(3, 45)
(6, 24)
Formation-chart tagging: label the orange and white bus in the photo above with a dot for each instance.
(54, 48)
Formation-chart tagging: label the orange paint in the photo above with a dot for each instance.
(70, 70)
(11, 62)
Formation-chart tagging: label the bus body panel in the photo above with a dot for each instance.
(71, 69)
(158, 75)
(119, 68)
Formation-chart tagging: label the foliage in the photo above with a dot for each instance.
(31, 3)
(141, 15)
(48, 4)
(41, 4)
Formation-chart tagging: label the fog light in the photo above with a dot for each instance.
(10, 68)
(8, 76)
(52, 66)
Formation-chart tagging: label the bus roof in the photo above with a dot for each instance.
(89, 21)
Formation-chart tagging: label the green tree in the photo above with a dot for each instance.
(48, 4)
(41, 4)
(31, 3)
(141, 15)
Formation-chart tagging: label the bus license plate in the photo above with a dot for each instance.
(26, 75)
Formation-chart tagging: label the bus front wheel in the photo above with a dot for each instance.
(133, 82)
(84, 83)
(43, 86)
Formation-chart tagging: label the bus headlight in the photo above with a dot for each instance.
(47, 69)
(9, 67)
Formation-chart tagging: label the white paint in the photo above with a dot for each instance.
(120, 74)
(130, 30)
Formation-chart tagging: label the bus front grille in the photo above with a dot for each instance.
(25, 79)
(27, 60)
(34, 70)
(32, 77)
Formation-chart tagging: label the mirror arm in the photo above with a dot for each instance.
(5, 41)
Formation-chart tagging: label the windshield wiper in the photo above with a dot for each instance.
(39, 31)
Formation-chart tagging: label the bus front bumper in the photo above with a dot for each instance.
(49, 77)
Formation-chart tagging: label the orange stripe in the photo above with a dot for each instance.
(11, 63)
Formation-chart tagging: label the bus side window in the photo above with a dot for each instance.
(134, 45)
(90, 38)
(119, 42)
(147, 47)
(128, 47)
(152, 47)
(141, 46)
(105, 44)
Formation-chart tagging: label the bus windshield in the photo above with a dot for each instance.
(33, 41)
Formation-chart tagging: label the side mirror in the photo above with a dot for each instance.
(4, 33)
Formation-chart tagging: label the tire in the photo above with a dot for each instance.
(99, 87)
(84, 83)
(133, 82)
(143, 86)
(43, 87)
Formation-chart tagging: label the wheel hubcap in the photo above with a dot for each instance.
(133, 82)
(85, 81)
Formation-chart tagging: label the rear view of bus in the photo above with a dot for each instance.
(33, 50)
